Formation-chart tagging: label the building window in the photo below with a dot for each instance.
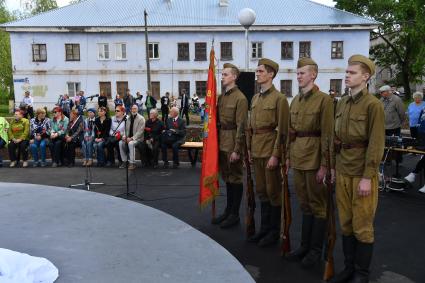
(105, 87)
(73, 88)
(336, 85)
(39, 53)
(305, 49)
(226, 50)
(103, 51)
(257, 50)
(72, 52)
(122, 88)
(287, 50)
(337, 50)
(156, 90)
(200, 51)
(183, 51)
(184, 85)
(153, 49)
(201, 88)
(286, 87)
(121, 51)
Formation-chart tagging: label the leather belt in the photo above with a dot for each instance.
(354, 145)
(305, 134)
(263, 130)
(228, 127)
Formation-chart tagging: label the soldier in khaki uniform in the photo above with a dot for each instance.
(310, 130)
(232, 118)
(359, 145)
(268, 128)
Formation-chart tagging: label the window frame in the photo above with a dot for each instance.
(283, 47)
(334, 53)
(307, 43)
(76, 88)
(118, 47)
(180, 51)
(222, 47)
(258, 49)
(72, 45)
(199, 88)
(333, 82)
(151, 49)
(283, 87)
(197, 55)
(39, 45)
(102, 45)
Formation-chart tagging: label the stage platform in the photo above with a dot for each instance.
(93, 237)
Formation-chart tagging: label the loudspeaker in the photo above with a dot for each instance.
(246, 83)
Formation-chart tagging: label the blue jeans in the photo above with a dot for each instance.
(34, 149)
(2, 144)
(99, 147)
(87, 149)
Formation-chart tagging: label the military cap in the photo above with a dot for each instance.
(364, 60)
(270, 63)
(302, 62)
(384, 88)
(228, 65)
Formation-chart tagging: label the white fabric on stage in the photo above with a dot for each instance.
(16, 267)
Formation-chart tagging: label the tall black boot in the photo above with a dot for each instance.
(362, 263)
(233, 218)
(317, 237)
(265, 223)
(306, 228)
(225, 214)
(349, 247)
(273, 235)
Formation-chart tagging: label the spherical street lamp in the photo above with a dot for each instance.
(246, 18)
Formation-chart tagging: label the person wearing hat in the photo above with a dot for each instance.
(89, 136)
(266, 133)
(310, 128)
(359, 141)
(232, 117)
(394, 111)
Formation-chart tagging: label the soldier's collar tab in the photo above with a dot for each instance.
(231, 90)
(272, 88)
(309, 93)
(357, 97)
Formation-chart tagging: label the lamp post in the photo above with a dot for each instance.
(246, 18)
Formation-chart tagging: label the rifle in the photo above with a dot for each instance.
(330, 215)
(286, 207)
(250, 197)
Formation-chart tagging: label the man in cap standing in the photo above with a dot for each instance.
(310, 128)
(268, 129)
(232, 116)
(359, 145)
(394, 111)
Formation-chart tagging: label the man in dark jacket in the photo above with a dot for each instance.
(184, 106)
(150, 146)
(173, 136)
(165, 106)
(150, 102)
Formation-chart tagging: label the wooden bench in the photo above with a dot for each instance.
(192, 146)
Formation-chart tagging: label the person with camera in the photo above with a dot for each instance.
(149, 149)
(102, 127)
(18, 139)
(115, 133)
(40, 127)
(73, 137)
(57, 134)
(173, 136)
(133, 135)
(102, 100)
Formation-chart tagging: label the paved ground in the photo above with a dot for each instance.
(400, 229)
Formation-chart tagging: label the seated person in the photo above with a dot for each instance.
(19, 129)
(4, 139)
(40, 127)
(149, 149)
(73, 136)
(133, 135)
(103, 125)
(88, 137)
(173, 136)
(115, 133)
(57, 135)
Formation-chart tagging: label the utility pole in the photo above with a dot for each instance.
(148, 67)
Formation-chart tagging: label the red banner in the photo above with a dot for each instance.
(209, 176)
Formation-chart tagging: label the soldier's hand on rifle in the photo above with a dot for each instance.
(333, 176)
(287, 166)
(273, 162)
(364, 187)
(320, 175)
(234, 157)
(249, 157)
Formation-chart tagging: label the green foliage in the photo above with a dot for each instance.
(6, 78)
(402, 32)
(44, 6)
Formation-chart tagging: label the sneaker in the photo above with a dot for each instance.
(25, 164)
(123, 165)
(166, 165)
(410, 178)
(12, 164)
(422, 190)
(89, 162)
(132, 166)
(43, 164)
(109, 164)
(35, 164)
(54, 165)
(85, 162)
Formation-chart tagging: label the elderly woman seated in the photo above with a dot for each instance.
(73, 136)
(18, 139)
(40, 127)
(57, 135)
(149, 148)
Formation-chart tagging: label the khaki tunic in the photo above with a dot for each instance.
(232, 113)
(310, 112)
(269, 110)
(359, 118)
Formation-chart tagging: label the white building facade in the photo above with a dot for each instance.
(53, 60)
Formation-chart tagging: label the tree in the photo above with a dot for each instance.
(402, 32)
(44, 6)
(6, 78)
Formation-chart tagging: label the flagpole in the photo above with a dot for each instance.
(213, 202)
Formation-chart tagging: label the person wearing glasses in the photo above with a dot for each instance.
(40, 127)
(102, 127)
(57, 135)
(115, 133)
